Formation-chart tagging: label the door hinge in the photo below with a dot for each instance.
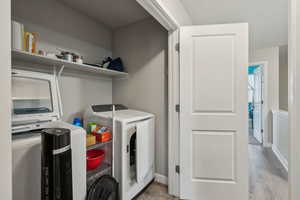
(177, 108)
(177, 47)
(177, 169)
(262, 101)
(261, 130)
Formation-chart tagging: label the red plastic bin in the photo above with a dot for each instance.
(94, 158)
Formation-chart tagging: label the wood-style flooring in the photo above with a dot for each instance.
(155, 191)
(268, 179)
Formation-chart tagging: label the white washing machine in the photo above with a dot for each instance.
(133, 145)
(26, 162)
(36, 105)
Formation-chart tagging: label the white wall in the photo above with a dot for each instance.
(5, 112)
(283, 78)
(281, 136)
(58, 25)
(270, 55)
(268, 19)
(143, 48)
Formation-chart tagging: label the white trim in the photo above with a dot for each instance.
(5, 102)
(294, 99)
(267, 145)
(173, 116)
(280, 157)
(265, 106)
(161, 179)
(160, 13)
(164, 17)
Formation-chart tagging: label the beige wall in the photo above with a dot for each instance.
(270, 55)
(59, 26)
(5, 112)
(143, 48)
(283, 78)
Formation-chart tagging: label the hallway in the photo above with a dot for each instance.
(268, 179)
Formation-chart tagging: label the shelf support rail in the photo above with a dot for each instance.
(57, 79)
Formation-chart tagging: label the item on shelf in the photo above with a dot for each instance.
(17, 35)
(30, 42)
(96, 129)
(105, 65)
(94, 158)
(116, 64)
(67, 56)
(42, 53)
(77, 59)
(77, 122)
(51, 55)
(103, 137)
(90, 126)
(106, 62)
(90, 140)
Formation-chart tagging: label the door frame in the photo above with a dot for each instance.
(5, 101)
(165, 18)
(294, 99)
(266, 139)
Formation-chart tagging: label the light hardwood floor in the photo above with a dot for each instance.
(155, 191)
(268, 179)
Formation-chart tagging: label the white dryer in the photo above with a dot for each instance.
(133, 155)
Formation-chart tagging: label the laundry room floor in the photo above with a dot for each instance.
(155, 191)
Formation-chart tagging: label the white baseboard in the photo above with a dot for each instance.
(280, 157)
(268, 145)
(161, 179)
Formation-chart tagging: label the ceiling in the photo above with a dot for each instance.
(113, 13)
(268, 19)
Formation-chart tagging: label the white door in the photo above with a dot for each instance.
(257, 104)
(213, 114)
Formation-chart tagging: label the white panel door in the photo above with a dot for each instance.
(257, 111)
(213, 114)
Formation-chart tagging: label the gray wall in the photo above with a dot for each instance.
(5, 102)
(79, 92)
(283, 78)
(143, 48)
(68, 29)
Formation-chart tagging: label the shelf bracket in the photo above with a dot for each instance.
(60, 71)
(57, 77)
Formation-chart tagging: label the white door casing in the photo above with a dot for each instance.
(257, 111)
(213, 112)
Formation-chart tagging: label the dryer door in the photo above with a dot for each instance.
(143, 151)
